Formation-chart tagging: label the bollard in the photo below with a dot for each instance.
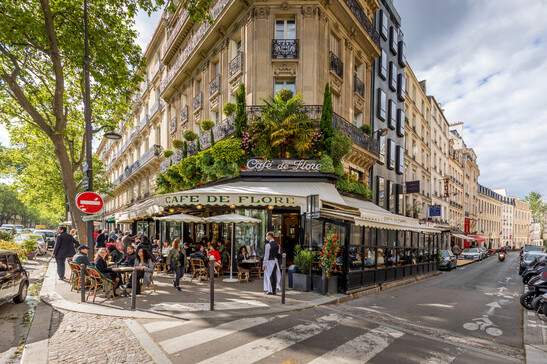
(323, 282)
(134, 282)
(83, 271)
(212, 282)
(283, 274)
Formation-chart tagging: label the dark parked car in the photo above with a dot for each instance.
(14, 278)
(447, 260)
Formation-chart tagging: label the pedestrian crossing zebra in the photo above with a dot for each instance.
(303, 337)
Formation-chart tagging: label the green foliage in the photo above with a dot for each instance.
(339, 170)
(198, 10)
(327, 131)
(303, 258)
(329, 252)
(29, 245)
(350, 183)
(366, 129)
(189, 135)
(340, 145)
(167, 153)
(198, 145)
(185, 149)
(6, 235)
(285, 95)
(229, 108)
(212, 135)
(538, 207)
(178, 144)
(240, 120)
(326, 164)
(207, 125)
(13, 247)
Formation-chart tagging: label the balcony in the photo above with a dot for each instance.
(235, 66)
(336, 65)
(136, 99)
(175, 31)
(145, 86)
(173, 124)
(144, 159)
(134, 134)
(363, 20)
(158, 106)
(123, 148)
(358, 86)
(197, 102)
(184, 114)
(155, 69)
(144, 122)
(285, 48)
(214, 86)
(355, 134)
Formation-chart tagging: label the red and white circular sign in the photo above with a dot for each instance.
(89, 202)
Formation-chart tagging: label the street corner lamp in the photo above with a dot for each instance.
(112, 134)
(381, 132)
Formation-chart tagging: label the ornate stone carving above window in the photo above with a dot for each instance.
(285, 70)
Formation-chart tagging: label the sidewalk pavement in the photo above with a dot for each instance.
(535, 337)
(461, 262)
(231, 299)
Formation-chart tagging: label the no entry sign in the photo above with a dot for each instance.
(89, 202)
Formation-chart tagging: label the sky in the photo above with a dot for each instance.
(486, 62)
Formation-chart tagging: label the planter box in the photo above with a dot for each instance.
(331, 283)
(301, 282)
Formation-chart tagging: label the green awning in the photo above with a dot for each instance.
(112, 219)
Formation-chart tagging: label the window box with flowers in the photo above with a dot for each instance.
(328, 259)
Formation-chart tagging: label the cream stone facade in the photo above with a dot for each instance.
(455, 187)
(522, 219)
(508, 212)
(193, 69)
(490, 217)
(417, 146)
(440, 162)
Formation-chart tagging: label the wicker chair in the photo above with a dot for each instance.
(152, 286)
(243, 274)
(98, 281)
(75, 277)
(256, 268)
(199, 270)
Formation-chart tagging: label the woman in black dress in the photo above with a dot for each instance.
(100, 263)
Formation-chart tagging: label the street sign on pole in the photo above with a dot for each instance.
(94, 217)
(89, 202)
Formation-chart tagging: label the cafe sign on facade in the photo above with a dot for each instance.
(282, 165)
(227, 199)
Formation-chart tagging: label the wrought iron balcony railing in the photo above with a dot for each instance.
(336, 65)
(355, 134)
(358, 86)
(363, 20)
(198, 99)
(285, 48)
(214, 85)
(184, 114)
(235, 65)
(158, 106)
(150, 154)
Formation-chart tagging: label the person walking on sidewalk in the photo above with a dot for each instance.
(126, 241)
(176, 262)
(63, 248)
(272, 274)
(456, 250)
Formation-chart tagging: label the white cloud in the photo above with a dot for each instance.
(145, 25)
(489, 70)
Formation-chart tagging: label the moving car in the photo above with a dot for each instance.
(49, 236)
(471, 253)
(14, 280)
(447, 260)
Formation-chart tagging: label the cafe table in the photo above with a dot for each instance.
(125, 271)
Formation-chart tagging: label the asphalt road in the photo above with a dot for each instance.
(15, 318)
(418, 323)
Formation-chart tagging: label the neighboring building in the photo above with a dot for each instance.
(535, 232)
(522, 219)
(440, 163)
(455, 188)
(490, 217)
(388, 109)
(418, 152)
(507, 223)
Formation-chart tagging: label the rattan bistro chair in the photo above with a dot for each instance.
(257, 267)
(98, 281)
(199, 270)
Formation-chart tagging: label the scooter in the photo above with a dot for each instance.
(542, 305)
(533, 270)
(528, 299)
(501, 256)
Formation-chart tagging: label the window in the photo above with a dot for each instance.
(400, 122)
(382, 69)
(335, 45)
(402, 54)
(285, 29)
(391, 191)
(401, 86)
(358, 119)
(392, 76)
(287, 84)
(158, 135)
(356, 173)
(392, 110)
(400, 160)
(400, 199)
(381, 104)
(382, 140)
(383, 24)
(393, 40)
(380, 197)
(215, 116)
(391, 154)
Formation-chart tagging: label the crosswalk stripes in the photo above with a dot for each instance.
(362, 348)
(262, 348)
(155, 326)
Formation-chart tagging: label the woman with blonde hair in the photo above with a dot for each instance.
(100, 263)
(174, 258)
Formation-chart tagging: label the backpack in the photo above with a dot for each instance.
(182, 258)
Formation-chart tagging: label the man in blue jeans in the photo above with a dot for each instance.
(63, 248)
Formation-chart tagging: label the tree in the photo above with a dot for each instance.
(538, 207)
(240, 120)
(10, 205)
(327, 131)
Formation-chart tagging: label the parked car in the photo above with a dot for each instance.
(19, 229)
(447, 260)
(14, 280)
(471, 253)
(483, 252)
(8, 227)
(528, 258)
(41, 246)
(532, 248)
(49, 236)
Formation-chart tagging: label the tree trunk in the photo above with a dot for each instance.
(69, 185)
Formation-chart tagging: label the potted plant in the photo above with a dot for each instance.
(327, 260)
(302, 259)
(229, 109)
(365, 128)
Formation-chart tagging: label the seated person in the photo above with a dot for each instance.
(214, 252)
(111, 241)
(187, 249)
(115, 255)
(81, 256)
(165, 250)
(241, 256)
(144, 262)
(129, 258)
(100, 264)
(200, 253)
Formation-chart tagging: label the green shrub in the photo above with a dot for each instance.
(326, 164)
(229, 150)
(302, 259)
(366, 129)
(285, 94)
(327, 131)
(339, 170)
(350, 183)
(340, 146)
(229, 108)
(178, 144)
(185, 149)
(189, 135)
(167, 153)
(207, 125)
(6, 236)
(198, 145)
(240, 120)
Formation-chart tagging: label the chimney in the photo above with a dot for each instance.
(422, 85)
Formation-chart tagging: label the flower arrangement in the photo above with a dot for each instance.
(329, 252)
(315, 144)
(247, 141)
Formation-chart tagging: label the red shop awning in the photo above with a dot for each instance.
(479, 240)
